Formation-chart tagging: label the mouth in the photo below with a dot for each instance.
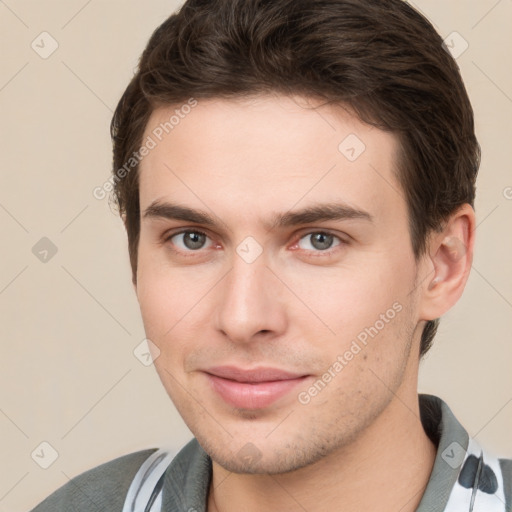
(252, 389)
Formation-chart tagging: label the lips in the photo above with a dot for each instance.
(252, 389)
(252, 376)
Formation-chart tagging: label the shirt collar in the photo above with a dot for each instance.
(445, 431)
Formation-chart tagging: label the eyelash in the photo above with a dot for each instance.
(319, 253)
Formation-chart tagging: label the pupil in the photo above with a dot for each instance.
(322, 241)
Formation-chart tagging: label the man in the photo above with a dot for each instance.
(296, 179)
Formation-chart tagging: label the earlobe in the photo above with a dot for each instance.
(451, 256)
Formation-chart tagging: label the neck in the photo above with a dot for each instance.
(386, 468)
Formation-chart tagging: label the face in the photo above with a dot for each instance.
(274, 277)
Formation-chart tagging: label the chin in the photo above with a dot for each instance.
(269, 460)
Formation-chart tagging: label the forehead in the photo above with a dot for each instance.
(268, 153)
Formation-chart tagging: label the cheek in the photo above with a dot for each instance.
(162, 311)
(173, 304)
(349, 298)
(165, 295)
(156, 303)
(367, 313)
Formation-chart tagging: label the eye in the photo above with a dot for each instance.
(318, 241)
(190, 240)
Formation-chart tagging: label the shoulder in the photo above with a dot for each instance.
(101, 488)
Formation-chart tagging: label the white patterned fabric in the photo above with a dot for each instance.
(145, 492)
(479, 486)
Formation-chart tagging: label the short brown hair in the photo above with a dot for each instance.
(381, 58)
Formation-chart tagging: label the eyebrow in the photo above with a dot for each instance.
(318, 213)
(170, 211)
(315, 213)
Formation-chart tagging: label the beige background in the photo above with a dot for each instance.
(69, 376)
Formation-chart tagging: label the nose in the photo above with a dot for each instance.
(250, 303)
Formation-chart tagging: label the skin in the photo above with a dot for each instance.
(297, 306)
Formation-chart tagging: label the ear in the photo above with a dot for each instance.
(448, 263)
